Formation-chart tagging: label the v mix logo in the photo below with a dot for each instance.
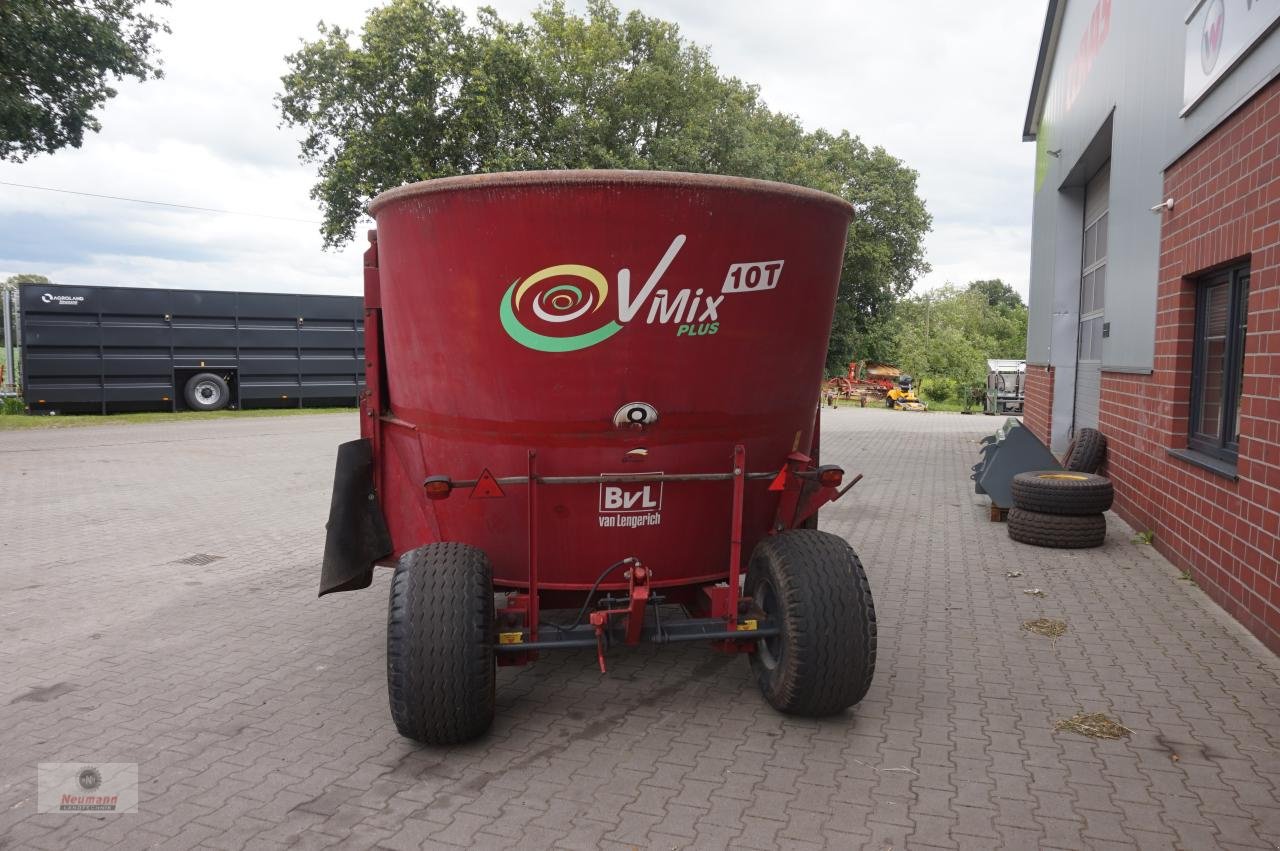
(569, 292)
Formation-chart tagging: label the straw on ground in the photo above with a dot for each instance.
(1097, 726)
(1047, 627)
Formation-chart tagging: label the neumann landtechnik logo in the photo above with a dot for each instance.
(69, 787)
(570, 292)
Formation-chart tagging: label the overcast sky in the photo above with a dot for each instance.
(940, 84)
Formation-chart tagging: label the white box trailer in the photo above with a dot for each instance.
(1005, 380)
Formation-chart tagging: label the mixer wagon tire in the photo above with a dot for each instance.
(440, 660)
(207, 392)
(1086, 452)
(1062, 492)
(1058, 531)
(812, 585)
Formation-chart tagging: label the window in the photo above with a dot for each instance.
(1093, 287)
(1222, 307)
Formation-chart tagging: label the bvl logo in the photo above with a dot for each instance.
(630, 505)
(631, 498)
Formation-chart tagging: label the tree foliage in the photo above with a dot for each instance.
(57, 60)
(9, 285)
(422, 94)
(12, 281)
(997, 293)
(7, 288)
(950, 332)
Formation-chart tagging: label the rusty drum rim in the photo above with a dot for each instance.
(608, 177)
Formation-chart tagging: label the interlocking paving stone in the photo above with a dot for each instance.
(257, 713)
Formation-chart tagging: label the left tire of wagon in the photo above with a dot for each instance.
(440, 660)
(813, 587)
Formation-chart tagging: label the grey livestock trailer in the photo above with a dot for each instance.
(112, 349)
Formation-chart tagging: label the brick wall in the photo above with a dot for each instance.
(1037, 408)
(1225, 532)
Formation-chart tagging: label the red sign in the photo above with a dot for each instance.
(1095, 35)
(487, 487)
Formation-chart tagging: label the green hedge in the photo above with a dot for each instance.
(937, 389)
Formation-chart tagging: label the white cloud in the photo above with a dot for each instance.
(941, 85)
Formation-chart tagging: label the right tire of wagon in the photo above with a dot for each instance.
(1062, 492)
(812, 586)
(1059, 531)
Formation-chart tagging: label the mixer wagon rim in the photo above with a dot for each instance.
(608, 177)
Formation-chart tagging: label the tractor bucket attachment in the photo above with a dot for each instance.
(1010, 451)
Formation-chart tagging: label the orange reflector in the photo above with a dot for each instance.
(830, 477)
(438, 487)
(779, 482)
(487, 487)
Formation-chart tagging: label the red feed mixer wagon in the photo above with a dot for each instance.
(547, 420)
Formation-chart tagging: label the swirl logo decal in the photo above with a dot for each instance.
(563, 302)
(572, 293)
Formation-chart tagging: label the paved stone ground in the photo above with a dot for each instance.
(258, 714)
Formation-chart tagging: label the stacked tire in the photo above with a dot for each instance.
(1064, 509)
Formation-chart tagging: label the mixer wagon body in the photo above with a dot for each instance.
(547, 415)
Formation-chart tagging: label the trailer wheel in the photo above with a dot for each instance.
(812, 585)
(207, 392)
(440, 662)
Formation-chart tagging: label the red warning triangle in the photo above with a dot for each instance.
(779, 482)
(487, 487)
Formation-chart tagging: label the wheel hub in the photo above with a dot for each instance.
(208, 392)
(771, 650)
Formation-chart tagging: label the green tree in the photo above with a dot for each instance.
(9, 284)
(950, 332)
(870, 338)
(7, 289)
(997, 293)
(57, 58)
(424, 94)
(12, 281)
